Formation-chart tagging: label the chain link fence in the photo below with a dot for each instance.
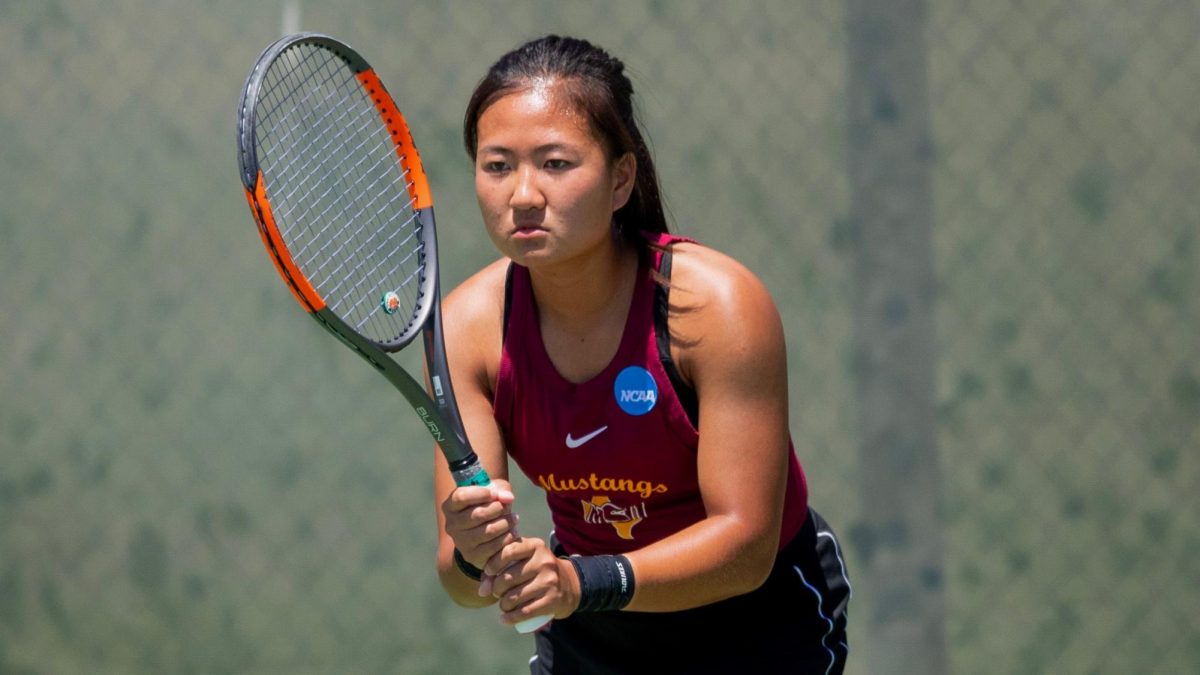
(194, 479)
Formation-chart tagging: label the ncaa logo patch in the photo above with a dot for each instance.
(635, 390)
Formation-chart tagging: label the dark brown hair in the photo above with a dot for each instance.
(596, 85)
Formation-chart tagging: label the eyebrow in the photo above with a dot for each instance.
(541, 149)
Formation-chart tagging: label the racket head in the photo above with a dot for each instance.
(337, 189)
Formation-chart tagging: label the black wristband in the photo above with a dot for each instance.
(605, 582)
(467, 568)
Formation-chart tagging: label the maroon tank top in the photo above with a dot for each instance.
(616, 454)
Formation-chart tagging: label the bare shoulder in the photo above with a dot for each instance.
(716, 287)
(720, 310)
(479, 296)
(472, 317)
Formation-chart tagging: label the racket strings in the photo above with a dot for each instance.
(340, 193)
(309, 116)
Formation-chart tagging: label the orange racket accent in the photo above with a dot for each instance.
(303, 291)
(418, 184)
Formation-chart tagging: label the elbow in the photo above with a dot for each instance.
(760, 569)
(757, 559)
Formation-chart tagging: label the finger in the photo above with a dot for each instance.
(500, 485)
(512, 596)
(518, 573)
(488, 511)
(513, 613)
(476, 523)
(513, 553)
(503, 493)
(463, 498)
(500, 531)
(508, 582)
(478, 551)
(478, 542)
(485, 585)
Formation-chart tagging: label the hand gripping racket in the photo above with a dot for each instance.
(343, 206)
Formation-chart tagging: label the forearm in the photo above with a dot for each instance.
(717, 558)
(463, 590)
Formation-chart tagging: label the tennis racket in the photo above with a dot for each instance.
(343, 206)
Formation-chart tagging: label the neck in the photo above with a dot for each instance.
(581, 294)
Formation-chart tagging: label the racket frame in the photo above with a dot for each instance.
(438, 413)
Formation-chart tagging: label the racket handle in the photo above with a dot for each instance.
(474, 474)
(470, 472)
(532, 623)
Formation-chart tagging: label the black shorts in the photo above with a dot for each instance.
(793, 623)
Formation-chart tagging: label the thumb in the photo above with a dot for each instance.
(502, 490)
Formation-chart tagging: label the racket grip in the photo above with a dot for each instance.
(470, 472)
(474, 474)
(532, 623)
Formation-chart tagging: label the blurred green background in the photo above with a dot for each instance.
(195, 479)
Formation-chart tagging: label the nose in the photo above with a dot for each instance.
(526, 193)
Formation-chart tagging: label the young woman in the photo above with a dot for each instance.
(640, 379)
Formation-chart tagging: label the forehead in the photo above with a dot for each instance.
(542, 109)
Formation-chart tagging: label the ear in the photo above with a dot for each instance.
(624, 173)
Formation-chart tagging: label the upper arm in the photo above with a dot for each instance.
(732, 350)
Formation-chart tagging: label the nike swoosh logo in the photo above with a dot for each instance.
(576, 442)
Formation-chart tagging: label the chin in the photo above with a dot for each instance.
(528, 252)
(532, 259)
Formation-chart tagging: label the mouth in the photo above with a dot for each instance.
(526, 226)
(528, 233)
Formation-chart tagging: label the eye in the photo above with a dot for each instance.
(494, 167)
(558, 164)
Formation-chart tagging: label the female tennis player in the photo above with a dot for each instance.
(640, 379)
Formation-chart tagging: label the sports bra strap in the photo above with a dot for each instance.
(662, 334)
